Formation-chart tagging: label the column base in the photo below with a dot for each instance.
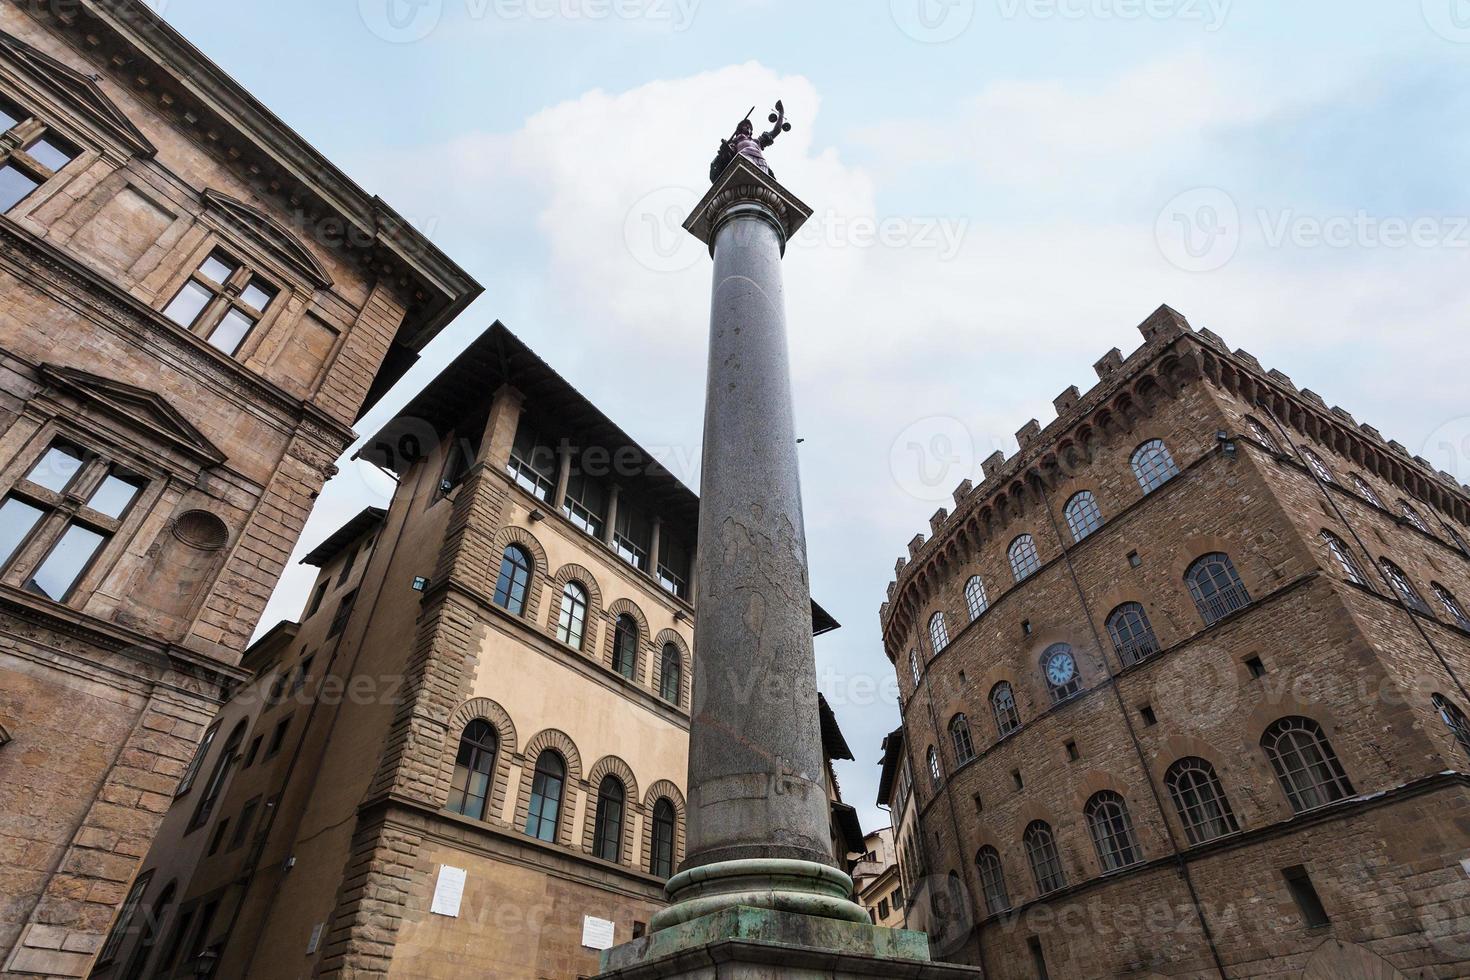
(776, 884)
(745, 943)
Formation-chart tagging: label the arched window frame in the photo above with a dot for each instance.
(938, 632)
(1083, 515)
(1454, 720)
(936, 774)
(992, 880)
(1003, 705)
(1200, 800)
(976, 601)
(609, 819)
(1407, 511)
(1366, 491)
(1216, 587)
(1346, 563)
(1261, 433)
(1451, 605)
(1112, 831)
(1405, 588)
(1153, 465)
(1132, 633)
(1324, 473)
(1046, 862)
(473, 782)
(1306, 767)
(571, 625)
(1025, 562)
(671, 674)
(661, 840)
(959, 733)
(914, 666)
(513, 584)
(548, 791)
(625, 646)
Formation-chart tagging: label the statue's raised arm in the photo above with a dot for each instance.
(746, 144)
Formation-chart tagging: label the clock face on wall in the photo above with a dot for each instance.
(1060, 668)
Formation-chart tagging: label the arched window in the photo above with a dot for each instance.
(1345, 560)
(936, 776)
(1451, 605)
(1305, 764)
(625, 646)
(152, 922)
(661, 850)
(1153, 465)
(671, 674)
(1133, 635)
(1455, 719)
(992, 880)
(607, 833)
(1318, 467)
(975, 599)
(1083, 516)
(1046, 863)
(1262, 434)
(1366, 490)
(1003, 703)
(474, 770)
(1059, 667)
(223, 766)
(914, 666)
(1112, 831)
(123, 925)
(1024, 560)
(573, 620)
(938, 632)
(1216, 587)
(1200, 799)
(546, 792)
(1412, 516)
(515, 578)
(1404, 587)
(959, 732)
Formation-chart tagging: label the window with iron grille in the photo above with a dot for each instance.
(1083, 515)
(1318, 467)
(1203, 808)
(1366, 491)
(1153, 465)
(1454, 719)
(1216, 587)
(1133, 635)
(938, 632)
(1024, 560)
(1305, 764)
(1412, 516)
(992, 880)
(1112, 831)
(1046, 863)
(1404, 587)
(936, 775)
(975, 599)
(959, 732)
(1451, 605)
(1003, 703)
(31, 153)
(1345, 560)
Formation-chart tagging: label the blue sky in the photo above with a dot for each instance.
(1003, 189)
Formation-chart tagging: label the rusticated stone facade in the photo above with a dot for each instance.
(1208, 721)
(195, 307)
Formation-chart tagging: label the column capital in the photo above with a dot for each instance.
(744, 187)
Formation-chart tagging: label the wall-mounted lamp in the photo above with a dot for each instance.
(1227, 444)
(420, 584)
(537, 514)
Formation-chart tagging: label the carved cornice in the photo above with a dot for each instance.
(743, 184)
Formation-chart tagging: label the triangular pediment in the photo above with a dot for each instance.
(143, 408)
(269, 233)
(82, 91)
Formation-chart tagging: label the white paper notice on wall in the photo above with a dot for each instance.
(448, 891)
(596, 933)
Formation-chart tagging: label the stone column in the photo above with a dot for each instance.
(759, 817)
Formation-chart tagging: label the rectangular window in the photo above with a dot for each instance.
(673, 565)
(883, 908)
(206, 923)
(347, 564)
(533, 464)
(220, 829)
(1038, 958)
(52, 152)
(1147, 714)
(633, 536)
(17, 520)
(344, 609)
(1299, 883)
(15, 186)
(223, 300)
(186, 781)
(253, 752)
(301, 674)
(243, 825)
(65, 563)
(44, 155)
(124, 922)
(316, 598)
(278, 738)
(586, 504)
